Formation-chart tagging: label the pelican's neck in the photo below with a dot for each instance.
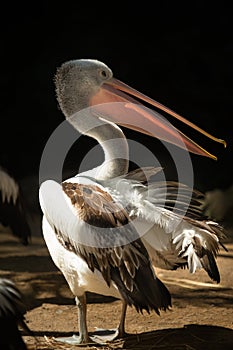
(111, 139)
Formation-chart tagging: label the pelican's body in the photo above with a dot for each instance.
(106, 229)
(74, 268)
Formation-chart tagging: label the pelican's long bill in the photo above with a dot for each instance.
(130, 113)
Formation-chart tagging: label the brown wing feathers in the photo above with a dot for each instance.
(94, 205)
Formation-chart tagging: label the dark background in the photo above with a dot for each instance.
(180, 56)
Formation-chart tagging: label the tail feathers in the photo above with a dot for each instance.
(207, 259)
(209, 264)
(148, 292)
(200, 250)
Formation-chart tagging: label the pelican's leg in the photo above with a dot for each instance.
(82, 318)
(103, 336)
(121, 327)
(83, 337)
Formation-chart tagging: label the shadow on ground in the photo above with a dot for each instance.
(190, 337)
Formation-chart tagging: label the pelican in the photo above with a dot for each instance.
(12, 207)
(105, 228)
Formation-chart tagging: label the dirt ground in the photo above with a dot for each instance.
(201, 316)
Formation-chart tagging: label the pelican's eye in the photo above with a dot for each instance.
(103, 73)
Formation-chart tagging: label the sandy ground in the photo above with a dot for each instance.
(201, 316)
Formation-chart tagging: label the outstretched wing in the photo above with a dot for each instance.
(169, 217)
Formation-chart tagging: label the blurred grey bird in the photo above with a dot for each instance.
(12, 316)
(13, 209)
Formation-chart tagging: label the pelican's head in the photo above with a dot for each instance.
(90, 83)
(77, 81)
